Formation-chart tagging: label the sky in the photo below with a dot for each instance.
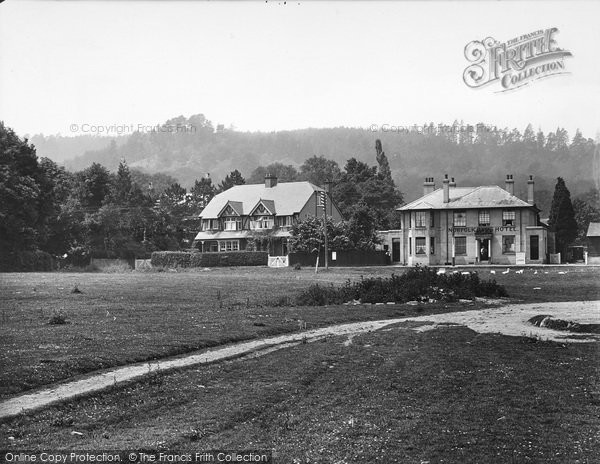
(284, 65)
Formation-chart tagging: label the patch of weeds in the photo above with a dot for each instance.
(297, 267)
(58, 318)
(76, 290)
(420, 284)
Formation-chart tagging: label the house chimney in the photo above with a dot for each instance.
(446, 187)
(428, 185)
(530, 197)
(510, 184)
(270, 181)
(452, 183)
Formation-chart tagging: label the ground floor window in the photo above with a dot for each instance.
(420, 246)
(432, 245)
(460, 245)
(508, 244)
(229, 245)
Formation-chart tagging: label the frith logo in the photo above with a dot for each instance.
(514, 63)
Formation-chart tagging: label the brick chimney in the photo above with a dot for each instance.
(428, 185)
(530, 184)
(446, 187)
(452, 183)
(270, 181)
(510, 184)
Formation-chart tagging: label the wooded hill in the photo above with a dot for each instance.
(474, 155)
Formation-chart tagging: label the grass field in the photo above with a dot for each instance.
(446, 395)
(129, 317)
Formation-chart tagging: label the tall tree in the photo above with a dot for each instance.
(92, 185)
(22, 208)
(284, 173)
(562, 217)
(384, 165)
(319, 170)
(233, 178)
(201, 193)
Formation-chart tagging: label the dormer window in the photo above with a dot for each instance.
(262, 222)
(233, 223)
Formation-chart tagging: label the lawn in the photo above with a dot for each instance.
(122, 318)
(443, 396)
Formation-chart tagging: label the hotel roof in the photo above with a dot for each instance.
(286, 198)
(490, 196)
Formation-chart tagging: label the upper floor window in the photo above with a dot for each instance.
(460, 218)
(211, 224)
(508, 218)
(484, 217)
(420, 218)
(262, 222)
(233, 223)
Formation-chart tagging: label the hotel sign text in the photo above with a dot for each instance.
(480, 230)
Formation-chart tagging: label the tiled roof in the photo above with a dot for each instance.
(593, 229)
(467, 197)
(287, 197)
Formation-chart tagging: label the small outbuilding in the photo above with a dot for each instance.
(593, 239)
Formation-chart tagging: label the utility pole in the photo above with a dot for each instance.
(324, 196)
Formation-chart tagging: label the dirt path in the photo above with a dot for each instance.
(508, 320)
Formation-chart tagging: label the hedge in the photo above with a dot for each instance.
(26, 261)
(175, 259)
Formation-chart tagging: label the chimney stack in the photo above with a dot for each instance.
(530, 197)
(270, 181)
(446, 187)
(428, 185)
(452, 183)
(510, 184)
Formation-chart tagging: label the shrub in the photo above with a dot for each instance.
(417, 284)
(175, 259)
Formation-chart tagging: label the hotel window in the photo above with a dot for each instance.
(420, 247)
(410, 246)
(508, 218)
(229, 245)
(484, 217)
(432, 245)
(232, 223)
(460, 245)
(508, 244)
(431, 222)
(421, 219)
(460, 218)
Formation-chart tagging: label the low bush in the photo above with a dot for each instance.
(26, 261)
(175, 259)
(417, 284)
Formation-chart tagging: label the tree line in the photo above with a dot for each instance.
(130, 213)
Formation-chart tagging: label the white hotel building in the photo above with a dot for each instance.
(469, 225)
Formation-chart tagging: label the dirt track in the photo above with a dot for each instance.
(509, 320)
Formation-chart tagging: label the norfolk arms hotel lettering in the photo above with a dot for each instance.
(481, 230)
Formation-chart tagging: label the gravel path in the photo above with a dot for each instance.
(508, 320)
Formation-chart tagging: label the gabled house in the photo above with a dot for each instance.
(470, 225)
(260, 216)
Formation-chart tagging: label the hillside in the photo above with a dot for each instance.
(188, 148)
